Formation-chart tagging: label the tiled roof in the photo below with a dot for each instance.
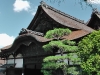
(6, 47)
(60, 17)
(72, 36)
(60, 12)
(76, 34)
(95, 14)
(64, 19)
(21, 39)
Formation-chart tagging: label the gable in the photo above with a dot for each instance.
(44, 23)
(94, 21)
(48, 18)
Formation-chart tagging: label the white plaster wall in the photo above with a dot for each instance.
(10, 61)
(19, 63)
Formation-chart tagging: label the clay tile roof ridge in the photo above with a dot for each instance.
(60, 12)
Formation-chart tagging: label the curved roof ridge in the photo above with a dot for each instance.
(60, 12)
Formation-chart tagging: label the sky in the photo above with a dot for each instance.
(17, 14)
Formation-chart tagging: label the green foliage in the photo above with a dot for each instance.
(71, 56)
(72, 70)
(57, 33)
(92, 64)
(46, 72)
(52, 63)
(89, 52)
(62, 45)
(68, 42)
(55, 58)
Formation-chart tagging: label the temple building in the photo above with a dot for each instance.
(25, 54)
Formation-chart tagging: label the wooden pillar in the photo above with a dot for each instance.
(23, 68)
(14, 60)
(6, 67)
(14, 63)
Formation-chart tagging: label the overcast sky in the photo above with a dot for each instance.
(17, 14)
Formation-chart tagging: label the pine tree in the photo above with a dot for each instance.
(67, 50)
